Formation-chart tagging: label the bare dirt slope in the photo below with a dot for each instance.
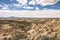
(30, 29)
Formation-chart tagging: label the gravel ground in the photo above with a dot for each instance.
(30, 29)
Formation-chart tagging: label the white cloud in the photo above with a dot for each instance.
(32, 2)
(28, 7)
(37, 8)
(43, 2)
(17, 5)
(1, 6)
(23, 2)
(48, 2)
(5, 7)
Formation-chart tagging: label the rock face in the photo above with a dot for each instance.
(30, 29)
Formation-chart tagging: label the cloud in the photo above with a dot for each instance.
(17, 5)
(23, 2)
(43, 2)
(32, 2)
(5, 7)
(48, 2)
(28, 7)
(11, 6)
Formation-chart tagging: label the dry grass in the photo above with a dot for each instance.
(30, 29)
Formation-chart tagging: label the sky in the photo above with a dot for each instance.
(29, 4)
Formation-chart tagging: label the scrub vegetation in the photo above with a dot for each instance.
(30, 29)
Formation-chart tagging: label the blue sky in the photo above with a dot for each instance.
(15, 5)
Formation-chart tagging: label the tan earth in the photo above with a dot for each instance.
(30, 29)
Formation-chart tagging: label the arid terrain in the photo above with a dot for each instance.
(29, 29)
